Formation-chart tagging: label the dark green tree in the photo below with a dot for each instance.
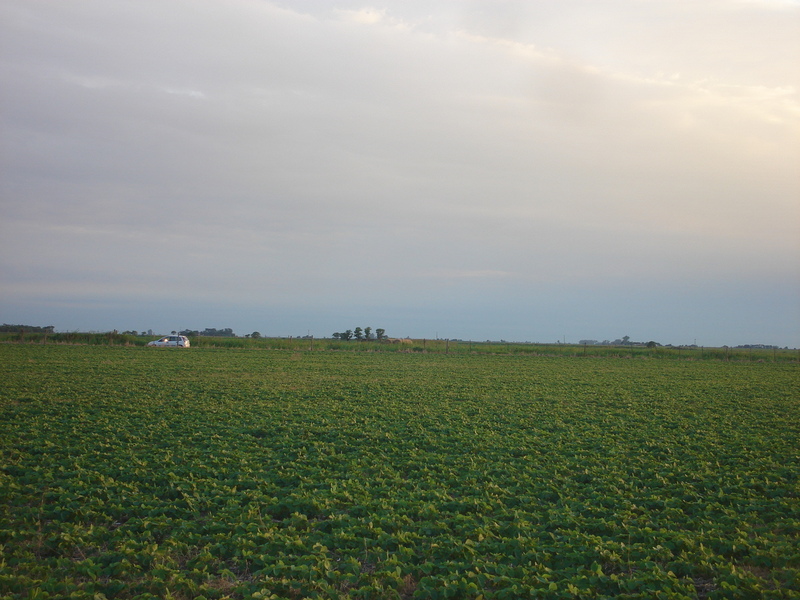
(6, 328)
(359, 333)
(380, 333)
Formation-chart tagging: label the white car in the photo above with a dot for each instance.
(174, 341)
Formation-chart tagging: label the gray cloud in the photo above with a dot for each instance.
(255, 154)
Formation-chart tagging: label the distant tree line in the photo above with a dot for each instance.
(759, 347)
(360, 334)
(208, 332)
(625, 340)
(6, 328)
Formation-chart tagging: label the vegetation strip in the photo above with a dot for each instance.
(226, 339)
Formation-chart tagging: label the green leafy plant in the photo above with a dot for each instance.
(255, 472)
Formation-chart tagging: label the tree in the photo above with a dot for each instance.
(367, 333)
(255, 335)
(359, 333)
(347, 335)
(625, 340)
(380, 333)
(212, 332)
(6, 328)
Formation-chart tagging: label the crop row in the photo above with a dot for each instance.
(129, 473)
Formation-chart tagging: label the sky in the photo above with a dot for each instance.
(524, 170)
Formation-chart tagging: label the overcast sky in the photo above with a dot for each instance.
(521, 170)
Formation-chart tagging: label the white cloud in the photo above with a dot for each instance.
(365, 16)
(184, 92)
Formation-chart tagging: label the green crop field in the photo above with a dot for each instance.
(131, 472)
